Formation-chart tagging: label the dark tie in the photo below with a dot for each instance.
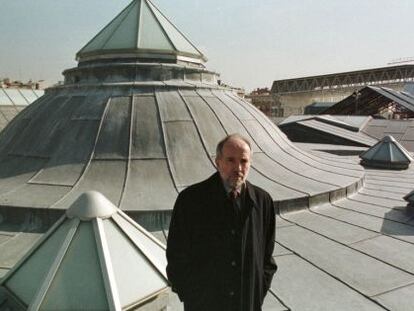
(235, 200)
(234, 194)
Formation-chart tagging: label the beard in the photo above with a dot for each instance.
(235, 181)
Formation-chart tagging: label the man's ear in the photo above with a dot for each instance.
(216, 161)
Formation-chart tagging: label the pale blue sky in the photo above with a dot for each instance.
(250, 42)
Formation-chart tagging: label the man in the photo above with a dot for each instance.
(221, 237)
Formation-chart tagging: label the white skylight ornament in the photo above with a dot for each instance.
(94, 258)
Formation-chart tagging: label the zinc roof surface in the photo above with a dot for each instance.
(401, 130)
(330, 128)
(344, 239)
(368, 237)
(354, 253)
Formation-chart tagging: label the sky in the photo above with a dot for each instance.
(250, 43)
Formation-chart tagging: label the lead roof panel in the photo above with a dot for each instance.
(149, 186)
(147, 140)
(114, 133)
(184, 147)
(211, 130)
(96, 178)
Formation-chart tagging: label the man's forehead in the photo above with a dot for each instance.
(236, 143)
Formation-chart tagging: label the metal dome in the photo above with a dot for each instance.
(140, 132)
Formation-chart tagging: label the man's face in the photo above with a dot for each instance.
(234, 163)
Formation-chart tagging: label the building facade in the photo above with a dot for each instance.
(263, 99)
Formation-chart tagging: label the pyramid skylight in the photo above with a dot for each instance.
(94, 257)
(141, 31)
(387, 153)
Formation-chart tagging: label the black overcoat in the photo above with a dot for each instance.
(220, 257)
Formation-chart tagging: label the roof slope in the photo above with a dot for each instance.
(141, 150)
(141, 30)
(401, 130)
(372, 100)
(369, 239)
(327, 129)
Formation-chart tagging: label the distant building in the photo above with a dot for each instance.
(380, 102)
(34, 85)
(293, 95)
(262, 99)
(239, 91)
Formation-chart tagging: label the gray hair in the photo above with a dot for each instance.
(220, 145)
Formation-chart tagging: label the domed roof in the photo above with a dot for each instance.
(115, 263)
(387, 153)
(139, 133)
(141, 31)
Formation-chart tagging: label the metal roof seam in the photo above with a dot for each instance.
(196, 126)
(163, 136)
(273, 159)
(87, 165)
(128, 165)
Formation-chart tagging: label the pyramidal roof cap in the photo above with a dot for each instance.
(141, 31)
(387, 153)
(90, 205)
(116, 263)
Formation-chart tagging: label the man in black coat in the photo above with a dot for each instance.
(221, 237)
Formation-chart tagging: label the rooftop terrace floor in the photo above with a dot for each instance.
(355, 253)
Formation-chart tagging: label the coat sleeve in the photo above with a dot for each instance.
(178, 246)
(269, 266)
